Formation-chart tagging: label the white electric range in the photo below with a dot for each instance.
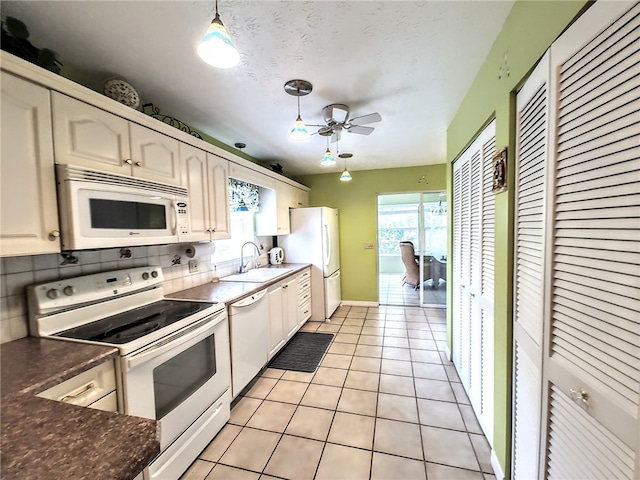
(174, 363)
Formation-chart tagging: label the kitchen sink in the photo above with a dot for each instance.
(257, 275)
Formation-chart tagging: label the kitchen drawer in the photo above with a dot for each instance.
(108, 403)
(304, 295)
(305, 312)
(86, 388)
(304, 279)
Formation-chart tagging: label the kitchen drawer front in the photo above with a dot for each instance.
(108, 403)
(305, 312)
(304, 295)
(86, 388)
(304, 288)
(304, 279)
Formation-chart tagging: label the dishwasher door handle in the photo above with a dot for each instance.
(250, 300)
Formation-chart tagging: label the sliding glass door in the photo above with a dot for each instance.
(417, 279)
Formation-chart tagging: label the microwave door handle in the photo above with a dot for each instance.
(175, 218)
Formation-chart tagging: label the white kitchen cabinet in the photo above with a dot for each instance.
(93, 138)
(28, 213)
(301, 198)
(283, 313)
(273, 218)
(276, 326)
(218, 179)
(154, 155)
(94, 388)
(206, 177)
(285, 199)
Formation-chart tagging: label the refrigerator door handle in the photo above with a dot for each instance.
(335, 275)
(327, 245)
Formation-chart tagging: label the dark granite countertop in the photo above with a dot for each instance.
(41, 438)
(230, 292)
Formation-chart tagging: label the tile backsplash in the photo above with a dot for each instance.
(19, 272)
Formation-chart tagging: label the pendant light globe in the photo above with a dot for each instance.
(299, 131)
(217, 48)
(327, 159)
(346, 176)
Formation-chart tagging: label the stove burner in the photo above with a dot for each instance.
(133, 324)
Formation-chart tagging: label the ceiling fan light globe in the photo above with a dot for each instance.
(328, 160)
(217, 48)
(299, 131)
(346, 176)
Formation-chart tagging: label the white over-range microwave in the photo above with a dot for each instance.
(103, 210)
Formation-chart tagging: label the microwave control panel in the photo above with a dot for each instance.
(183, 218)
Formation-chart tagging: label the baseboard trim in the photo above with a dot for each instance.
(495, 464)
(355, 303)
(447, 352)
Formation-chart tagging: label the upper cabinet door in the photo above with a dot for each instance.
(155, 156)
(89, 137)
(194, 177)
(219, 197)
(28, 214)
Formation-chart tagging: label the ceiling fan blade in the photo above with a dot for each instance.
(360, 129)
(366, 119)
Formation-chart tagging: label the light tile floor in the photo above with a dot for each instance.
(392, 292)
(383, 404)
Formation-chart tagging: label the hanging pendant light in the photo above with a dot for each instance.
(327, 159)
(217, 48)
(298, 88)
(345, 176)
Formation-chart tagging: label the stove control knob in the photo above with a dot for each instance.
(154, 274)
(145, 276)
(53, 293)
(69, 290)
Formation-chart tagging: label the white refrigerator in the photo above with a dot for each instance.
(314, 239)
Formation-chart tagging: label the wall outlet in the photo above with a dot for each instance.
(368, 245)
(193, 266)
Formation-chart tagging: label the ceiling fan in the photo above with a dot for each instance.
(337, 119)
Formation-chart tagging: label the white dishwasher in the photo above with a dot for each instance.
(249, 330)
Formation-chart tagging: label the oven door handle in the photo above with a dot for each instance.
(203, 329)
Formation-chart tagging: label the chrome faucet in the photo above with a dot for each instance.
(243, 266)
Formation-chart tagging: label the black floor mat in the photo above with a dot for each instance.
(303, 353)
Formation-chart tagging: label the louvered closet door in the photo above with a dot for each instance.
(592, 368)
(473, 267)
(461, 232)
(531, 158)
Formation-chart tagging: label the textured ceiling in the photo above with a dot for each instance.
(411, 61)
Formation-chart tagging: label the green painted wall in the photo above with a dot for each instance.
(357, 202)
(527, 33)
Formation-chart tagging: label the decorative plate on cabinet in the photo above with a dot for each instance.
(122, 91)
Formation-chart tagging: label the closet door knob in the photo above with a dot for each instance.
(128, 161)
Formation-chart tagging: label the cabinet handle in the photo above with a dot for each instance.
(285, 286)
(54, 234)
(138, 164)
(128, 161)
(86, 389)
(213, 230)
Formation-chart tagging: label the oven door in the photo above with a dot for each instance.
(175, 379)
